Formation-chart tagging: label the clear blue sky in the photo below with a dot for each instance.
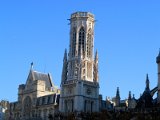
(127, 37)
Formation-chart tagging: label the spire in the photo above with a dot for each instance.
(158, 58)
(147, 83)
(31, 65)
(117, 93)
(96, 56)
(65, 65)
(117, 100)
(129, 96)
(65, 55)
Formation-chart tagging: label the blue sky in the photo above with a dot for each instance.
(127, 37)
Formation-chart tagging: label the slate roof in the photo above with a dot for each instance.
(43, 76)
(34, 75)
(48, 99)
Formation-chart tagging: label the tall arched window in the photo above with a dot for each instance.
(74, 42)
(89, 43)
(81, 39)
(27, 106)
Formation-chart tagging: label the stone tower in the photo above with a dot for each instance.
(79, 84)
(158, 63)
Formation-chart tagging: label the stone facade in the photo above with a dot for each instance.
(36, 99)
(79, 85)
(3, 108)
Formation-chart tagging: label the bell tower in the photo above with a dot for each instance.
(81, 46)
(79, 85)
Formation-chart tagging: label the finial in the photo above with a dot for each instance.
(31, 65)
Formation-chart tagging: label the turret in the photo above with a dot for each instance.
(133, 97)
(129, 96)
(20, 92)
(129, 100)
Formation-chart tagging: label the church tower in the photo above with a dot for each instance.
(158, 63)
(79, 84)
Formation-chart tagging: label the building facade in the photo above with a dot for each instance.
(80, 85)
(3, 108)
(37, 99)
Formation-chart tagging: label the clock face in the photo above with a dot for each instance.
(89, 91)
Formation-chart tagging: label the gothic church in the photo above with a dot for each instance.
(39, 97)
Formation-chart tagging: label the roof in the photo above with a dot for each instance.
(43, 76)
(34, 75)
(48, 99)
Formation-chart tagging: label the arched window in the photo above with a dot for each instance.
(81, 39)
(74, 42)
(89, 43)
(27, 106)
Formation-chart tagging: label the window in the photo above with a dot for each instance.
(74, 42)
(81, 40)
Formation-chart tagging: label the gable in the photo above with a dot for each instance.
(34, 75)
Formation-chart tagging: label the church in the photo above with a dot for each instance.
(39, 98)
